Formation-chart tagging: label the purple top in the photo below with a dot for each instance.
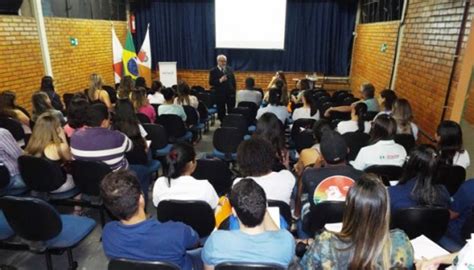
(9, 151)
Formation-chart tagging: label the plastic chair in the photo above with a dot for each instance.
(87, 177)
(203, 115)
(285, 210)
(4, 176)
(304, 140)
(322, 213)
(236, 121)
(6, 231)
(324, 108)
(451, 177)
(197, 214)
(405, 140)
(175, 128)
(143, 118)
(43, 176)
(252, 106)
(43, 228)
(370, 115)
(217, 172)
(355, 141)
(415, 221)
(124, 264)
(245, 111)
(159, 139)
(248, 266)
(225, 142)
(301, 125)
(386, 172)
(192, 120)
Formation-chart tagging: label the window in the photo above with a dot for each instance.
(85, 9)
(381, 10)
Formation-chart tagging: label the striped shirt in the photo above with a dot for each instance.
(101, 144)
(9, 151)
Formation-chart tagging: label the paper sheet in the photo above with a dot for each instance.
(425, 247)
(334, 227)
(275, 215)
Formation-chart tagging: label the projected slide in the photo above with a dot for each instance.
(250, 24)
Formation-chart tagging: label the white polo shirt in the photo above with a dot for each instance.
(351, 126)
(184, 188)
(280, 111)
(277, 185)
(304, 113)
(462, 159)
(381, 153)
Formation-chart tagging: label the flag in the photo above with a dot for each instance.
(117, 53)
(144, 58)
(130, 64)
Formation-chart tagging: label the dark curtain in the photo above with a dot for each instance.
(318, 36)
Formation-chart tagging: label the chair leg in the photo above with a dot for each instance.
(70, 260)
(49, 262)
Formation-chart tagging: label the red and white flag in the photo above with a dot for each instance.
(144, 58)
(117, 50)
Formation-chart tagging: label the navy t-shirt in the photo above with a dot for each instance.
(150, 240)
(463, 201)
(400, 196)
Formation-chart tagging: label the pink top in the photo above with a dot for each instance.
(149, 111)
(69, 130)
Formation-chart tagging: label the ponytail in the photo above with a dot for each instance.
(308, 96)
(361, 112)
(177, 159)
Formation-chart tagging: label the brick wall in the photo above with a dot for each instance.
(469, 109)
(21, 66)
(369, 63)
(427, 57)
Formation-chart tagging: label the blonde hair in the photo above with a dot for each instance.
(402, 114)
(44, 133)
(95, 83)
(138, 98)
(366, 224)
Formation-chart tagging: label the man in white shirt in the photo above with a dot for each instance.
(249, 94)
(255, 158)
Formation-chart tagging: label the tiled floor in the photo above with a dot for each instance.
(88, 254)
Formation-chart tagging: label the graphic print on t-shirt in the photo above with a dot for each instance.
(333, 188)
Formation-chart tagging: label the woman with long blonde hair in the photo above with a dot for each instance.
(365, 241)
(49, 141)
(95, 93)
(142, 104)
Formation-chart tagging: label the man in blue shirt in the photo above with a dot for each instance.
(461, 210)
(134, 236)
(257, 241)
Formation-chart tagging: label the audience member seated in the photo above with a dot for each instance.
(386, 100)
(309, 109)
(8, 108)
(142, 105)
(41, 104)
(450, 145)
(96, 142)
(257, 241)
(402, 114)
(331, 182)
(76, 114)
(140, 82)
(274, 106)
(368, 93)
(47, 86)
(417, 187)
(279, 82)
(357, 122)
(178, 184)
(95, 93)
(184, 96)
(134, 236)
(383, 149)
(9, 153)
(168, 107)
(296, 95)
(125, 121)
(460, 210)
(127, 84)
(436, 262)
(365, 241)
(271, 129)
(255, 158)
(48, 141)
(155, 96)
(249, 94)
(312, 156)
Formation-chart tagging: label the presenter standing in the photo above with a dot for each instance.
(221, 78)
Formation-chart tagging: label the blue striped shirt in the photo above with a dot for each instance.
(101, 144)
